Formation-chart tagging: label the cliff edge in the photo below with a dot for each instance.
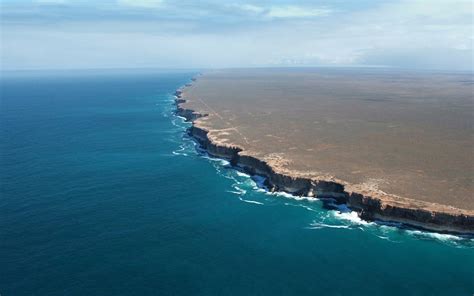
(370, 204)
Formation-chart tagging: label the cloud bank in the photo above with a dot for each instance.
(51, 34)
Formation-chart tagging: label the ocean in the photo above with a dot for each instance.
(103, 193)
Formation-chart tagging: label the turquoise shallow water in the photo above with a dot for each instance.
(103, 194)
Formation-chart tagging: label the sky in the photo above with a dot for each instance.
(67, 34)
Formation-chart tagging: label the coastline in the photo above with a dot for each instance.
(370, 205)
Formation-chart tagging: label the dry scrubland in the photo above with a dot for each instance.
(409, 135)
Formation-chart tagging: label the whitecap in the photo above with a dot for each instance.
(240, 174)
(352, 217)
(179, 153)
(301, 206)
(389, 224)
(291, 196)
(384, 238)
(433, 235)
(224, 162)
(181, 117)
(317, 225)
(251, 201)
(237, 188)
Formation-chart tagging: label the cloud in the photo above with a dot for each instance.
(141, 3)
(209, 33)
(51, 1)
(292, 11)
(250, 8)
(284, 11)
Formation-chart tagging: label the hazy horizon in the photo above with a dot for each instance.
(66, 34)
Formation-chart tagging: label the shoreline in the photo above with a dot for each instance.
(369, 205)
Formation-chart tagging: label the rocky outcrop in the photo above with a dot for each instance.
(301, 186)
(188, 114)
(179, 101)
(373, 208)
(370, 206)
(222, 151)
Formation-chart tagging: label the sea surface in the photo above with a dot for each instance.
(102, 193)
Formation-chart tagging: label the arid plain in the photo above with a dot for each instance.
(409, 135)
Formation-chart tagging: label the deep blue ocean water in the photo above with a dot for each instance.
(103, 194)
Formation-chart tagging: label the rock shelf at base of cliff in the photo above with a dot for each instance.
(371, 205)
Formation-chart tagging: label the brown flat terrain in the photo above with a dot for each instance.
(406, 134)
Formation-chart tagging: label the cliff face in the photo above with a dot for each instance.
(221, 151)
(188, 114)
(369, 206)
(295, 185)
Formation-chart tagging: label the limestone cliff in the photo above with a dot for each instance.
(370, 205)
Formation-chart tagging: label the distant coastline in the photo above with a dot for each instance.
(370, 205)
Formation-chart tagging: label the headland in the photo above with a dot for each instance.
(391, 145)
